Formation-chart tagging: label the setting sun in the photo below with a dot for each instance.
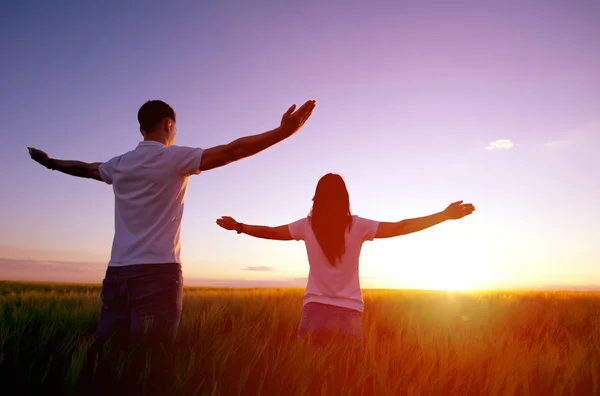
(430, 277)
(451, 280)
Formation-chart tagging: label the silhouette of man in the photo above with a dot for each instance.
(142, 291)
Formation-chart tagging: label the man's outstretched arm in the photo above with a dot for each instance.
(247, 146)
(454, 211)
(73, 168)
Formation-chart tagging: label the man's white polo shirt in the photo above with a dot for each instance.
(150, 185)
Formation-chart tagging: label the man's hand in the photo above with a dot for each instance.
(73, 168)
(227, 223)
(224, 154)
(292, 121)
(39, 156)
(458, 210)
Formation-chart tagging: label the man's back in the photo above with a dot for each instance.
(150, 185)
(144, 279)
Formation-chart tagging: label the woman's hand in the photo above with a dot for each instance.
(227, 223)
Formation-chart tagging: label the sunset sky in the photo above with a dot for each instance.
(419, 104)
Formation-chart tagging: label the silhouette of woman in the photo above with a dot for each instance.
(333, 304)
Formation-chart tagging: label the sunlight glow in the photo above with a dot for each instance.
(443, 261)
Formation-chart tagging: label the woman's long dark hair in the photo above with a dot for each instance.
(330, 216)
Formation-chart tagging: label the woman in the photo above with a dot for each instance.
(333, 303)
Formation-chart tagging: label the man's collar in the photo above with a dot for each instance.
(150, 143)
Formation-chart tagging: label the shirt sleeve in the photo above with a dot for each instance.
(186, 159)
(367, 228)
(298, 229)
(107, 170)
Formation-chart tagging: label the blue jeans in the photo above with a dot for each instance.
(324, 324)
(141, 299)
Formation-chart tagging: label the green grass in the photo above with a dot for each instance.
(243, 342)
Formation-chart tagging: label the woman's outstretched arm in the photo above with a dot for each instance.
(454, 211)
(281, 233)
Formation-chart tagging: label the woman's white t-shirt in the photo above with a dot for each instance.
(337, 285)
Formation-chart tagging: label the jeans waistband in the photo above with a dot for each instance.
(333, 309)
(166, 268)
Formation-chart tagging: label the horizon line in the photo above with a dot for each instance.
(505, 288)
(92, 273)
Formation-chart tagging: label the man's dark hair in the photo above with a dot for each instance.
(152, 113)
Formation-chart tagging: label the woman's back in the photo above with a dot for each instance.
(337, 284)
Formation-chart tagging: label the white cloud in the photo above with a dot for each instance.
(500, 144)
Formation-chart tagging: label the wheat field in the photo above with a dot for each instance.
(243, 342)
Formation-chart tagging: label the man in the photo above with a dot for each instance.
(142, 291)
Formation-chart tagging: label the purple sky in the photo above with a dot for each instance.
(410, 97)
